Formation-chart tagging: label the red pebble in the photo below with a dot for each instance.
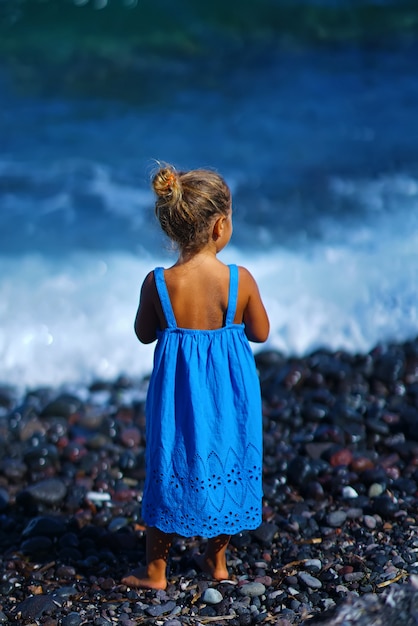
(341, 457)
(361, 463)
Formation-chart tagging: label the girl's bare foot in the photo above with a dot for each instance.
(213, 560)
(153, 575)
(207, 566)
(141, 579)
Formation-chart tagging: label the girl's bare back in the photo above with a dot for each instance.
(198, 291)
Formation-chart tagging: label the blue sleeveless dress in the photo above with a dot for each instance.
(203, 428)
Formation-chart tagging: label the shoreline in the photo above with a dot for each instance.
(339, 510)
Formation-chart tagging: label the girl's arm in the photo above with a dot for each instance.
(147, 321)
(256, 321)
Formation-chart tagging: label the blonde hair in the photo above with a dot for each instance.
(187, 202)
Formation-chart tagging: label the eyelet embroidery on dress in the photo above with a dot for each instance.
(209, 497)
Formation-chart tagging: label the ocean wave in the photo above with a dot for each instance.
(71, 319)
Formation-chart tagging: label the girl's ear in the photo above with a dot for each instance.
(218, 228)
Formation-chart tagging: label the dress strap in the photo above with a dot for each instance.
(164, 297)
(233, 294)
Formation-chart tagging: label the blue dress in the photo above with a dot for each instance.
(203, 428)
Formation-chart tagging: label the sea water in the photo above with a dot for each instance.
(318, 145)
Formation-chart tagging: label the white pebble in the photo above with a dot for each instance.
(98, 496)
(375, 490)
(212, 596)
(349, 492)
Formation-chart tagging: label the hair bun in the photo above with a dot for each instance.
(166, 182)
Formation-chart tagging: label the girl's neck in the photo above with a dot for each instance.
(192, 258)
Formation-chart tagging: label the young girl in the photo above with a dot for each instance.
(203, 410)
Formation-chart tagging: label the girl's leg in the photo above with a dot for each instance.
(154, 574)
(213, 560)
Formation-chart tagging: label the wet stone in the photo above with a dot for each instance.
(312, 490)
(354, 513)
(241, 539)
(160, 609)
(375, 490)
(212, 596)
(35, 607)
(117, 523)
(48, 526)
(102, 621)
(265, 532)
(353, 576)
(300, 471)
(36, 546)
(207, 611)
(72, 619)
(62, 406)
(14, 469)
(49, 491)
(370, 521)
(385, 506)
(63, 594)
(313, 565)
(310, 581)
(405, 485)
(4, 499)
(341, 457)
(252, 589)
(336, 518)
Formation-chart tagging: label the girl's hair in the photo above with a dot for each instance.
(187, 202)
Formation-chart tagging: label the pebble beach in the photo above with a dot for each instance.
(338, 543)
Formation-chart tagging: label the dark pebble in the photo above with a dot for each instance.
(72, 619)
(48, 526)
(35, 607)
(385, 506)
(36, 546)
(50, 491)
(299, 471)
(207, 611)
(13, 469)
(64, 405)
(102, 621)
(4, 499)
(63, 594)
(161, 609)
(265, 533)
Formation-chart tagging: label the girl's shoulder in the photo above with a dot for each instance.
(246, 279)
(250, 306)
(149, 291)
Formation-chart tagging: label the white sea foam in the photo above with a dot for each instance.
(72, 320)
